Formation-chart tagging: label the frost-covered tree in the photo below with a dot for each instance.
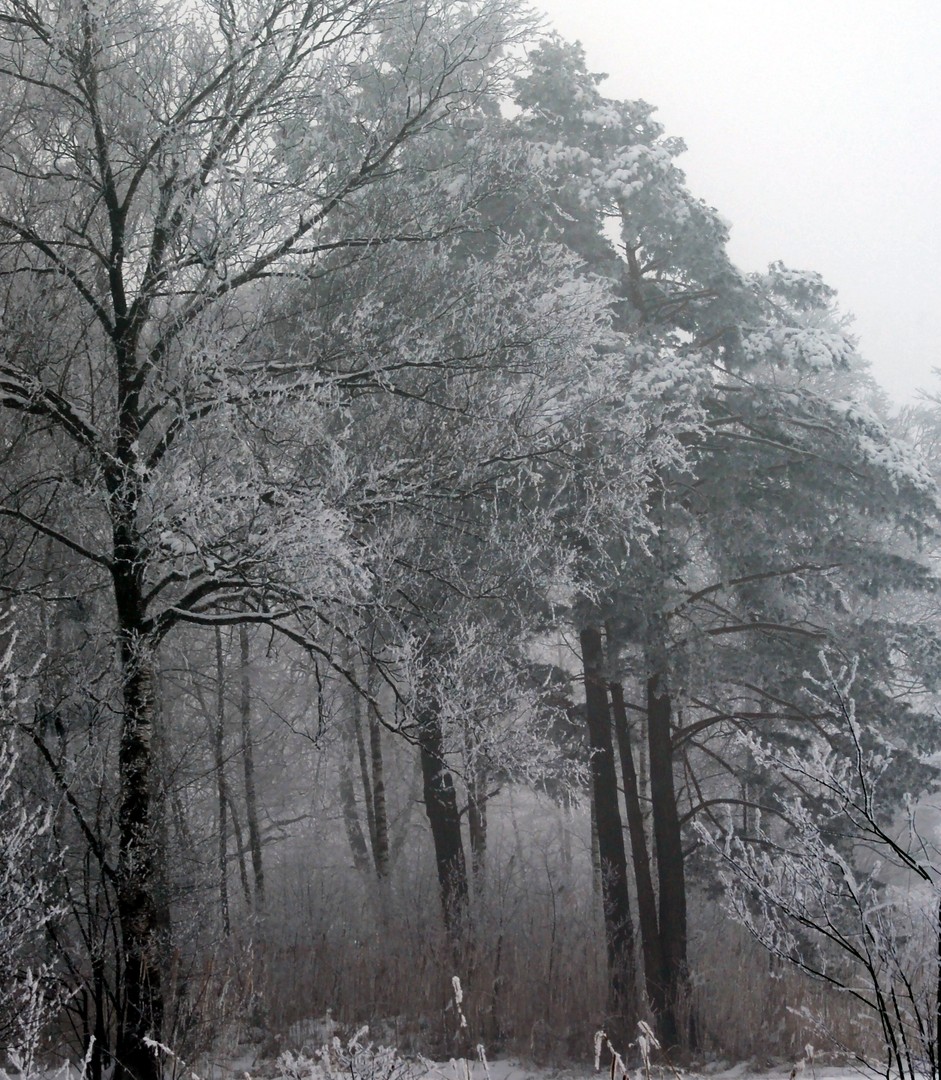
(164, 171)
(779, 504)
(496, 338)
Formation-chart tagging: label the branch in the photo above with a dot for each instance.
(54, 534)
(367, 173)
(798, 568)
(24, 393)
(93, 842)
(706, 803)
(817, 635)
(684, 734)
(48, 249)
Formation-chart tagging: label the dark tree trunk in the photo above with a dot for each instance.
(351, 822)
(142, 1012)
(445, 820)
(368, 800)
(380, 813)
(619, 927)
(100, 1048)
(671, 875)
(142, 1001)
(248, 769)
(239, 848)
(222, 805)
(654, 974)
(365, 723)
(595, 851)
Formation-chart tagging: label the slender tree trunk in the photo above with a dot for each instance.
(160, 812)
(619, 927)
(95, 922)
(368, 799)
(476, 782)
(239, 848)
(937, 998)
(380, 812)
(444, 819)
(477, 823)
(100, 1028)
(351, 822)
(654, 974)
(218, 747)
(671, 872)
(248, 769)
(401, 825)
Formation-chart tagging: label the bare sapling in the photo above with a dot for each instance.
(30, 992)
(844, 886)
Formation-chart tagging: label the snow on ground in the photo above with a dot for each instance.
(513, 1069)
(249, 1067)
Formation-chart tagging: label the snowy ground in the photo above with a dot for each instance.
(513, 1069)
(249, 1067)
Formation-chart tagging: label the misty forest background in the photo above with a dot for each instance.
(424, 554)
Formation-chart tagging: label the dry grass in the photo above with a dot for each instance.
(751, 1008)
(534, 980)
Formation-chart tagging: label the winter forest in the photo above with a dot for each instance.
(439, 591)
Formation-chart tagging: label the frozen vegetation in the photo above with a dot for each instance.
(425, 556)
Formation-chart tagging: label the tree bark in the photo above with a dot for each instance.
(619, 927)
(248, 769)
(368, 795)
(380, 812)
(671, 874)
(239, 849)
(476, 782)
(218, 748)
(351, 822)
(477, 823)
(654, 973)
(444, 818)
(595, 851)
(142, 1003)
(138, 841)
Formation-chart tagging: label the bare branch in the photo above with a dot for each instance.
(59, 537)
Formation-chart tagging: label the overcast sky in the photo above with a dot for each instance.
(813, 126)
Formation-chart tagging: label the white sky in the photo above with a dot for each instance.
(813, 126)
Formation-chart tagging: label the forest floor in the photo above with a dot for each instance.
(515, 1069)
(250, 1066)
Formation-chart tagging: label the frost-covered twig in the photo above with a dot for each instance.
(29, 992)
(839, 894)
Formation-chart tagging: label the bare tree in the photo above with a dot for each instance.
(849, 892)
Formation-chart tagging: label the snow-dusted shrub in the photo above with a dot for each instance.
(849, 892)
(28, 992)
(354, 1059)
